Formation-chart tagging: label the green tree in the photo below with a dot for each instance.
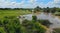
(37, 9)
(34, 18)
(53, 10)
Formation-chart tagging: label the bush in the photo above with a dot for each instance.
(45, 22)
(33, 27)
(34, 18)
(2, 30)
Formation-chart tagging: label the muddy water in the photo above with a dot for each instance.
(49, 16)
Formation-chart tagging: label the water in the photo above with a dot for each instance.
(43, 16)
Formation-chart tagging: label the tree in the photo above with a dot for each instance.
(53, 10)
(37, 9)
(34, 18)
(47, 9)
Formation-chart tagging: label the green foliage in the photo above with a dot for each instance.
(34, 18)
(37, 9)
(45, 22)
(11, 25)
(39, 28)
(2, 30)
(50, 10)
(46, 9)
(57, 13)
(33, 27)
(0, 23)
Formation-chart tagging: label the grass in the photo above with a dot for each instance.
(2, 30)
(57, 13)
(57, 30)
(13, 12)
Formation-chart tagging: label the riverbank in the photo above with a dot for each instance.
(46, 16)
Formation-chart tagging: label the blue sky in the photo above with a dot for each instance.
(28, 3)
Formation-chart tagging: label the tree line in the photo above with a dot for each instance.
(47, 9)
(15, 8)
(39, 9)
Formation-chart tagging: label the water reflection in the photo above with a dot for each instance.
(44, 16)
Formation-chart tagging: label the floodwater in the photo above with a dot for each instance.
(54, 20)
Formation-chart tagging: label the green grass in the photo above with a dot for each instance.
(57, 13)
(2, 30)
(13, 12)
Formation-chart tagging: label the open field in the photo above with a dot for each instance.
(13, 12)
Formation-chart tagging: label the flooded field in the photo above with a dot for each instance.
(43, 16)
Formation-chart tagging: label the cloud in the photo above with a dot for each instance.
(28, 4)
(9, 4)
(14, 4)
(57, 2)
(32, 1)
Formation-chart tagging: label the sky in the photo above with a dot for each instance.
(28, 3)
